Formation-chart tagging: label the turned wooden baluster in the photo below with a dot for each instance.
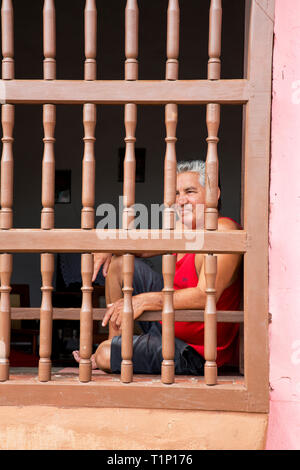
(131, 39)
(214, 41)
(171, 119)
(171, 116)
(88, 167)
(5, 319)
(86, 318)
(127, 320)
(49, 40)
(89, 119)
(6, 223)
(88, 194)
(173, 40)
(169, 261)
(129, 166)
(211, 194)
(210, 319)
(48, 194)
(213, 117)
(7, 21)
(168, 318)
(130, 111)
(6, 220)
(46, 312)
(90, 31)
(130, 120)
(49, 119)
(212, 167)
(48, 168)
(87, 222)
(128, 260)
(7, 166)
(46, 315)
(8, 117)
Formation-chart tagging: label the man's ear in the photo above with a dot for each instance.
(219, 192)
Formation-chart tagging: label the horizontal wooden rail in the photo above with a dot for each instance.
(193, 92)
(19, 313)
(188, 394)
(137, 241)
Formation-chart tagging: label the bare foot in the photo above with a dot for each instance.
(77, 359)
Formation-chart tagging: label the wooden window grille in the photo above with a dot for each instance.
(249, 393)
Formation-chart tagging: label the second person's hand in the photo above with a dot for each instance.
(99, 260)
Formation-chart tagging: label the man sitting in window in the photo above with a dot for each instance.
(189, 285)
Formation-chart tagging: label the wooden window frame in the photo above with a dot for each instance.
(251, 394)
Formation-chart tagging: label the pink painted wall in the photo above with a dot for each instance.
(284, 250)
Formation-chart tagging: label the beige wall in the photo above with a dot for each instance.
(42, 427)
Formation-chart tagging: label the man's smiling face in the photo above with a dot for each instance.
(190, 199)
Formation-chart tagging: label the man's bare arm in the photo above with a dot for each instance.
(148, 254)
(184, 299)
(190, 298)
(104, 259)
(195, 297)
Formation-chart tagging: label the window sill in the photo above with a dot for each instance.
(106, 391)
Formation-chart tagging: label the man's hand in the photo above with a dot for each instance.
(114, 311)
(99, 260)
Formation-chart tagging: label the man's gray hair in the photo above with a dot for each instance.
(193, 165)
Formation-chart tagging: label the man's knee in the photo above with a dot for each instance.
(116, 266)
(102, 356)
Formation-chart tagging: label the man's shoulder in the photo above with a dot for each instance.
(225, 224)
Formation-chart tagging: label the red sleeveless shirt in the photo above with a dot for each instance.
(193, 332)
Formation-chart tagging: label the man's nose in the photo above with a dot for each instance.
(182, 199)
